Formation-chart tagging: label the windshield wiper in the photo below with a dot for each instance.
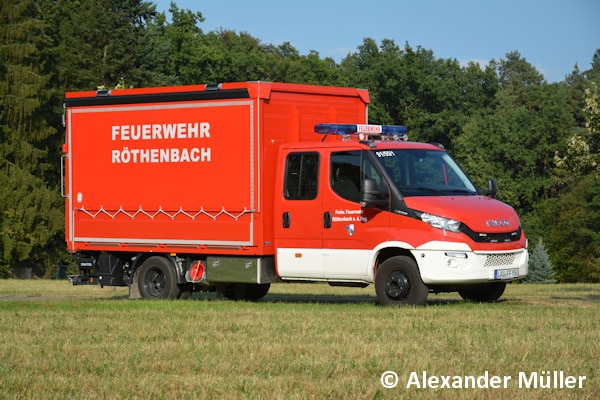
(465, 191)
(440, 191)
(420, 189)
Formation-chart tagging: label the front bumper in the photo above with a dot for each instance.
(461, 265)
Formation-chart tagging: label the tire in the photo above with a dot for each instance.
(398, 282)
(484, 292)
(245, 291)
(157, 279)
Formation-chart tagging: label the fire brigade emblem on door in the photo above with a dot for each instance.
(350, 229)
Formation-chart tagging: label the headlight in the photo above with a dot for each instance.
(441, 222)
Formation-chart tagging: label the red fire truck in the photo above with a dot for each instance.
(234, 186)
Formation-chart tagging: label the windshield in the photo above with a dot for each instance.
(425, 172)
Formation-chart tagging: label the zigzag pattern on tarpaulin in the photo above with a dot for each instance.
(160, 211)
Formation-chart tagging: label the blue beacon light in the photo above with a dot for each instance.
(390, 132)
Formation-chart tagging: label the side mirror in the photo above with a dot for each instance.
(491, 189)
(371, 196)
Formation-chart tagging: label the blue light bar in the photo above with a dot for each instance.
(339, 129)
(396, 131)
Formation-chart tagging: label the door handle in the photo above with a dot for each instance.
(285, 219)
(327, 220)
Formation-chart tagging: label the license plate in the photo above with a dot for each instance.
(506, 273)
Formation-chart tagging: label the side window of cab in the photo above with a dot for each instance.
(347, 171)
(344, 174)
(301, 176)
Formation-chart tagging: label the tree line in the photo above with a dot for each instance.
(539, 140)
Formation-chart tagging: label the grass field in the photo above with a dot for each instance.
(302, 341)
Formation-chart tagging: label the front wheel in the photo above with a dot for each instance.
(157, 279)
(484, 292)
(398, 282)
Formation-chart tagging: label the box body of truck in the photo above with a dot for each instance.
(176, 189)
(185, 170)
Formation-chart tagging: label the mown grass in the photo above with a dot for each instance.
(300, 342)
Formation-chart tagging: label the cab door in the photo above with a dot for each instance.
(353, 231)
(299, 217)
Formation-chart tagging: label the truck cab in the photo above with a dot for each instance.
(375, 208)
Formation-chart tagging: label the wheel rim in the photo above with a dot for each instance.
(155, 282)
(397, 285)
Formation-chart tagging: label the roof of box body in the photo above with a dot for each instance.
(232, 90)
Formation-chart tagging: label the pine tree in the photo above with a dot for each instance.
(540, 265)
(30, 204)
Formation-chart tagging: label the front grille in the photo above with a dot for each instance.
(492, 237)
(496, 260)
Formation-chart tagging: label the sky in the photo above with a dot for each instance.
(552, 35)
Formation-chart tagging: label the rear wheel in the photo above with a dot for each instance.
(398, 282)
(484, 292)
(157, 279)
